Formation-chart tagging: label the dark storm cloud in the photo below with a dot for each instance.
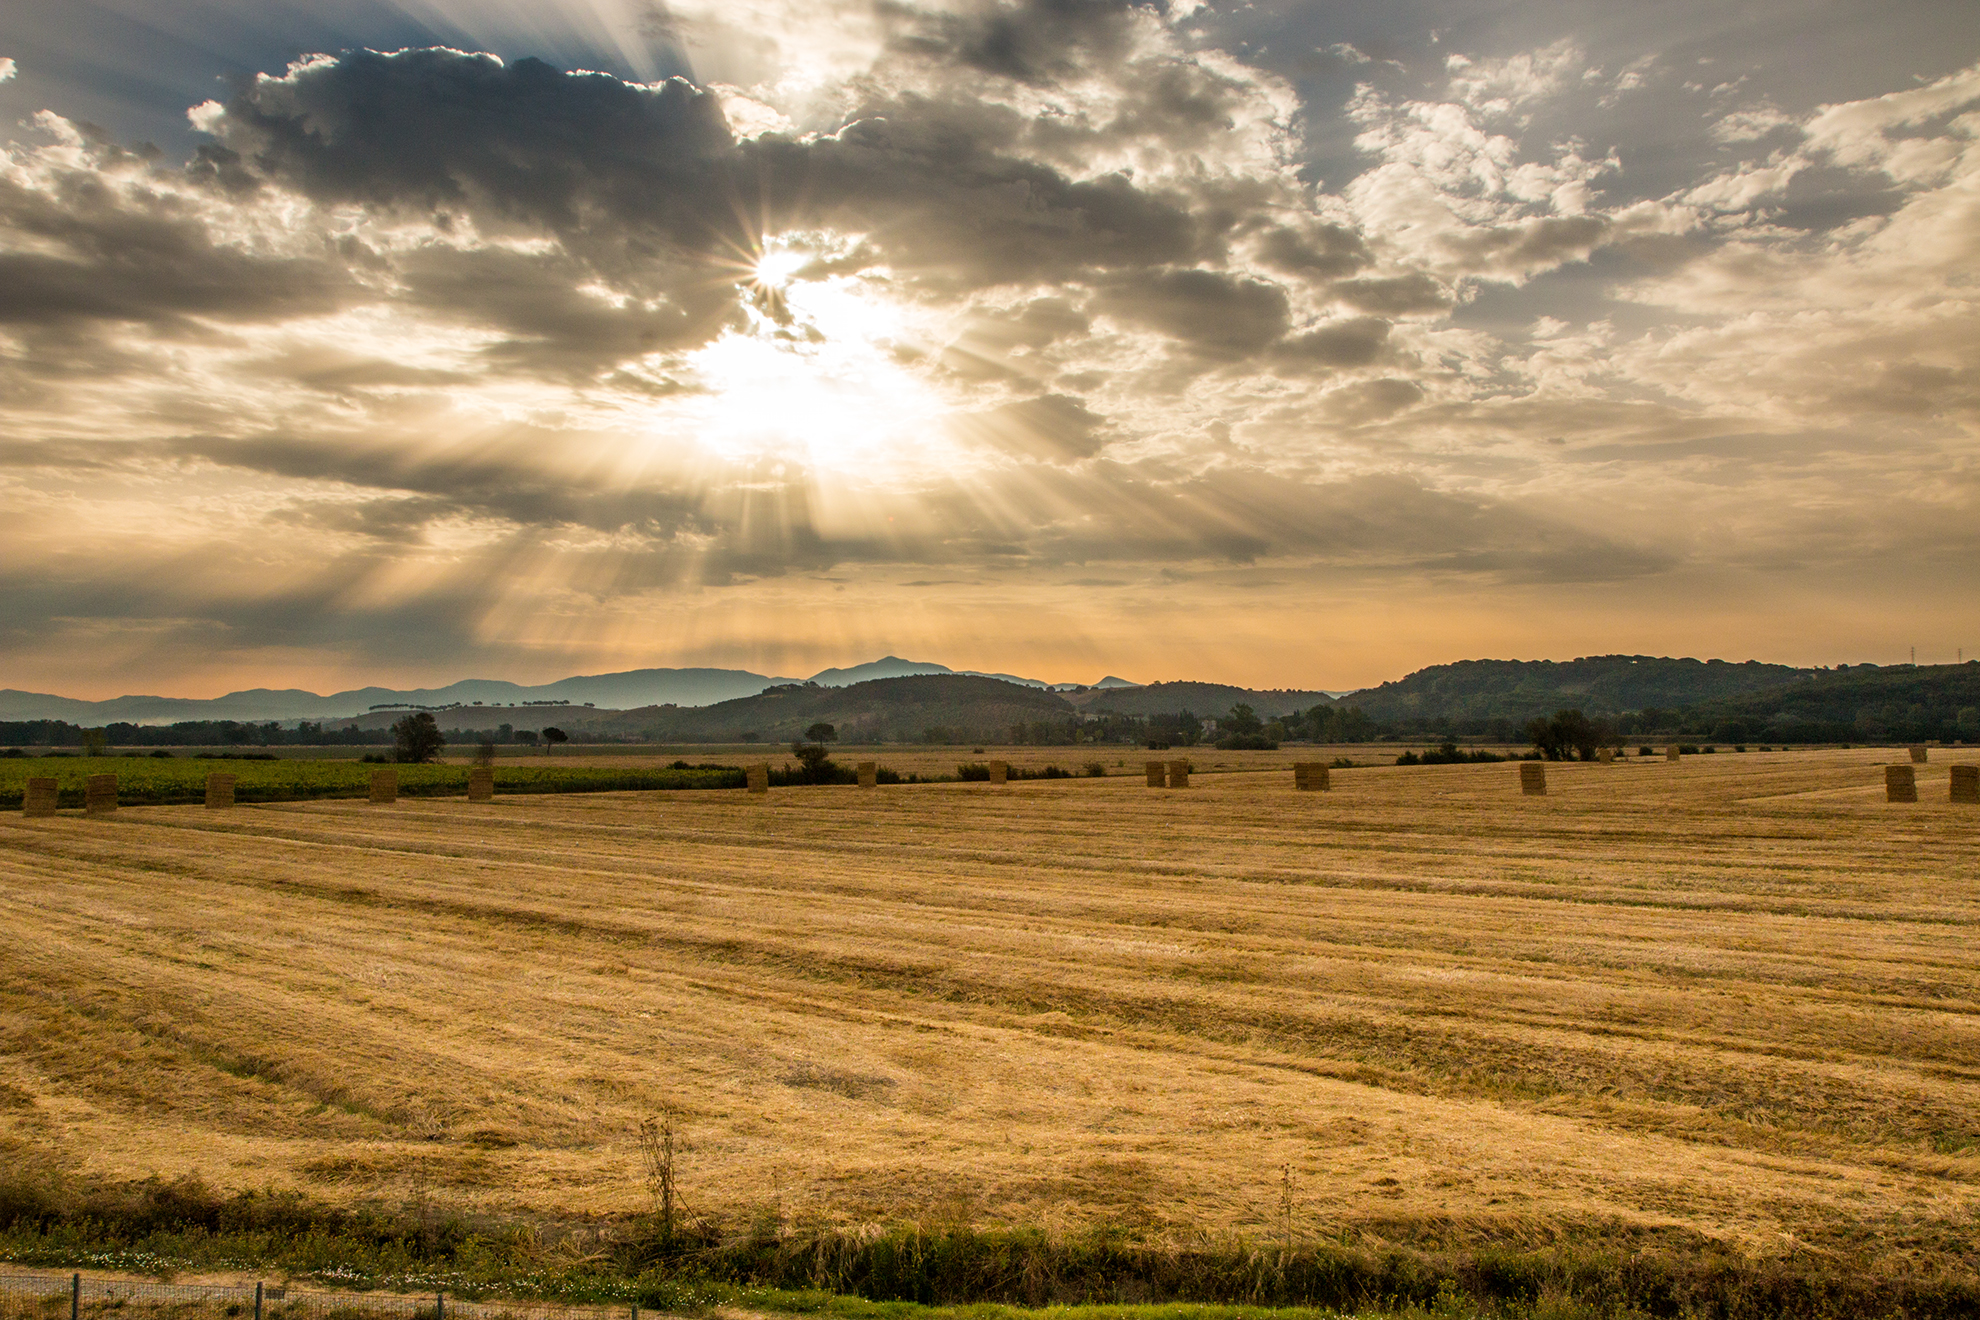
(614, 168)
(440, 128)
(1354, 342)
(1031, 41)
(1212, 312)
(551, 325)
(1053, 427)
(502, 478)
(648, 191)
(114, 254)
(1321, 251)
(941, 199)
(1398, 295)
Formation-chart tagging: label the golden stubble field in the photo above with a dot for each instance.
(1737, 994)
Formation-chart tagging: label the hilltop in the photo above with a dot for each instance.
(1209, 700)
(962, 707)
(1596, 685)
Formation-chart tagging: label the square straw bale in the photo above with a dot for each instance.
(1900, 783)
(219, 792)
(41, 797)
(1966, 783)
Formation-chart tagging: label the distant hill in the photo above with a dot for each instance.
(969, 707)
(1204, 700)
(892, 666)
(636, 687)
(1859, 703)
(1601, 685)
(621, 691)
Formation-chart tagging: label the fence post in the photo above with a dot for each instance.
(257, 1299)
(439, 1306)
(635, 1311)
(75, 1297)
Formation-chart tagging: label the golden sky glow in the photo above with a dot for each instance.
(1290, 346)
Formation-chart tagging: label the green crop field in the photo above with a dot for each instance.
(149, 781)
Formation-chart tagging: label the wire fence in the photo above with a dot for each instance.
(75, 1297)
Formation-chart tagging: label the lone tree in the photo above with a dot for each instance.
(815, 764)
(1569, 734)
(821, 733)
(554, 736)
(416, 738)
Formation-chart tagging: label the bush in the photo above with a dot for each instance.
(1096, 770)
(1247, 742)
(973, 772)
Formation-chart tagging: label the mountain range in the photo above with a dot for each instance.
(892, 696)
(623, 691)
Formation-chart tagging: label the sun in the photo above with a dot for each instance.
(776, 268)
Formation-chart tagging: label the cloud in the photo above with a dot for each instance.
(7, 69)
(1210, 311)
(1063, 287)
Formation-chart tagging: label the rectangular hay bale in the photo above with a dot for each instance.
(1606, 755)
(100, 795)
(1533, 778)
(384, 786)
(1178, 774)
(41, 797)
(1966, 783)
(481, 783)
(1000, 772)
(1900, 783)
(869, 774)
(1158, 774)
(219, 792)
(1672, 753)
(1918, 755)
(758, 777)
(1310, 776)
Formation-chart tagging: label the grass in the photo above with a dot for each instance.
(1705, 1027)
(158, 781)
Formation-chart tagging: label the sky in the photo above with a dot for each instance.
(1282, 344)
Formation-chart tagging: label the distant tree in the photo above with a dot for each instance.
(815, 764)
(1242, 730)
(94, 742)
(1569, 733)
(416, 738)
(555, 737)
(527, 737)
(1242, 720)
(821, 733)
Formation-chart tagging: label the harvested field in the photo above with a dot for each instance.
(1735, 995)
